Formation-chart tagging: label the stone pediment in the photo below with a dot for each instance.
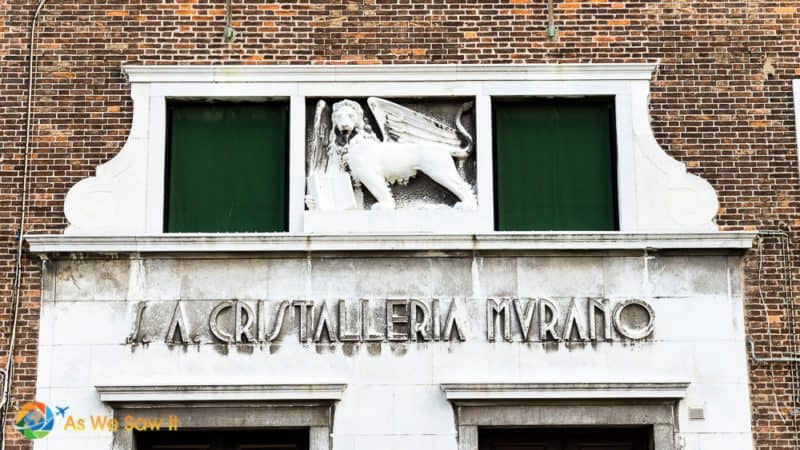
(655, 192)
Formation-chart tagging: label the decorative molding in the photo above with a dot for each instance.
(114, 201)
(126, 197)
(278, 242)
(563, 391)
(394, 72)
(214, 393)
(667, 196)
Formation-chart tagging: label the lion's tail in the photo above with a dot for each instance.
(463, 152)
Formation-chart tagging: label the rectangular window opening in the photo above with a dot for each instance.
(227, 167)
(227, 439)
(566, 438)
(555, 164)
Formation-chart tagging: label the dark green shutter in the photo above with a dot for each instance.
(226, 169)
(555, 165)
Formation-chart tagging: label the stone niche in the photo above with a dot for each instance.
(416, 192)
(396, 162)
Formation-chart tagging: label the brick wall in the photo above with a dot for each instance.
(721, 103)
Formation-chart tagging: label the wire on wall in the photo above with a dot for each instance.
(793, 361)
(8, 375)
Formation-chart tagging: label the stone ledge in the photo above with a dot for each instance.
(563, 391)
(287, 242)
(386, 72)
(210, 393)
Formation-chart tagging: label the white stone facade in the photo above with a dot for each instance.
(116, 289)
(393, 396)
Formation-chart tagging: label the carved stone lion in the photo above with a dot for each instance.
(411, 142)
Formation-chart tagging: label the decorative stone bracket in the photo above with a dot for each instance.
(126, 197)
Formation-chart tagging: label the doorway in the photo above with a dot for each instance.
(639, 438)
(263, 439)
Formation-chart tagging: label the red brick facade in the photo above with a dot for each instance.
(721, 102)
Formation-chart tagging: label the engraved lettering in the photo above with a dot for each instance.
(261, 322)
(632, 329)
(280, 315)
(344, 335)
(394, 318)
(324, 325)
(548, 320)
(134, 337)
(419, 320)
(451, 324)
(525, 317)
(243, 319)
(302, 317)
(367, 335)
(213, 322)
(498, 309)
(178, 326)
(405, 320)
(573, 322)
(437, 325)
(601, 305)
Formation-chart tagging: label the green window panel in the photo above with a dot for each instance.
(555, 165)
(227, 167)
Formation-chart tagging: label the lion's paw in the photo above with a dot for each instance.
(465, 206)
(383, 206)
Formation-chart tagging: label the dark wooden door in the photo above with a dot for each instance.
(565, 439)
(223, 440)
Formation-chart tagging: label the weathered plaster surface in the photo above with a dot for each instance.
(393, 397)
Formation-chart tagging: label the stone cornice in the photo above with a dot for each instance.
(388, 72)
(198, 393)
(562, 391)
(288, 242)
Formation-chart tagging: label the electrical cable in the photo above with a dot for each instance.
(15, 287)
(788, 296)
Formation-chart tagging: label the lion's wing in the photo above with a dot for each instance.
(318, 157)
(400, 124)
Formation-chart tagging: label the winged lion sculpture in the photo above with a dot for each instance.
(410, 142)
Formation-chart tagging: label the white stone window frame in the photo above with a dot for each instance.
(228, 407)
(488, 405)
(654, 191)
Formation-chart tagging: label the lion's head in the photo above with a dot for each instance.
(347, 117)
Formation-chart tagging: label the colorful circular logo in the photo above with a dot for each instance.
(34, 420)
